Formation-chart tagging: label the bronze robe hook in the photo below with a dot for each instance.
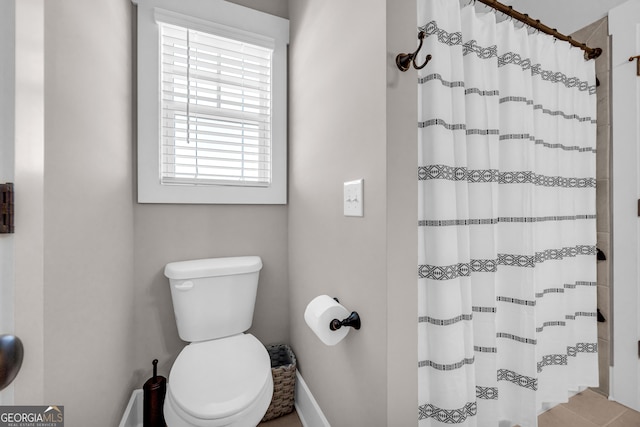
(404, 60)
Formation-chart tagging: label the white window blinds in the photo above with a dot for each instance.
(215, 109)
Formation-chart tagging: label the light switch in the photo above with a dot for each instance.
(353, 198)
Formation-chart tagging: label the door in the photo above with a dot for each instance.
(7, 116)
(624, 27)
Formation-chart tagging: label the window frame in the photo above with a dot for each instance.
(227, 20)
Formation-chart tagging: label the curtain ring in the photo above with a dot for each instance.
(569, 39)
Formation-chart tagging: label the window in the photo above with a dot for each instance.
(211, 103)
(216, 109)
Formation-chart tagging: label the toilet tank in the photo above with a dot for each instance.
(215, 297)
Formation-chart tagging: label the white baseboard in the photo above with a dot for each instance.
(307, 408)
(133, 415)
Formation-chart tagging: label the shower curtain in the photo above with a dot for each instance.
(507, 235)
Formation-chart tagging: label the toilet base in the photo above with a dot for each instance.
(249, 417)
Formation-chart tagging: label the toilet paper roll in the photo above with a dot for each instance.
(319, 314)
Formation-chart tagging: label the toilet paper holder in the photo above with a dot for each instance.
(353, 320)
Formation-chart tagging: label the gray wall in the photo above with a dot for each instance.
(343, 126)
(107, 311)
(166, 233)
(337, 134)
(88, 209)
(402, 219)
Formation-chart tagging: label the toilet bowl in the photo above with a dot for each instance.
(223, 377)
(225, 382)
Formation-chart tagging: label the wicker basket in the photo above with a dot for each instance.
(283, 369)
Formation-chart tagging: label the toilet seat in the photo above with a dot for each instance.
(217, 379)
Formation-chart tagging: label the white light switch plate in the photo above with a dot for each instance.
(353, 198)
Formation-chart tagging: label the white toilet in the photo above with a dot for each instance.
(223, 377)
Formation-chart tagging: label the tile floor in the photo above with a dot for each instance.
(587, 409)
(290, 420)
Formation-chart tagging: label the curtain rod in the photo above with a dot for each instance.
(405, 60)
(589, 53)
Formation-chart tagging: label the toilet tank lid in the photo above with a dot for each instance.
(212, 267)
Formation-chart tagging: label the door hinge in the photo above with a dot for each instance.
(637, 58)
(6, 208)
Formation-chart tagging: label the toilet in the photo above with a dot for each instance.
(223, 377)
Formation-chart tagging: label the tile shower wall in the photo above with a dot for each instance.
(597, 35)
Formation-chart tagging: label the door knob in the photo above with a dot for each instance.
(11, 354)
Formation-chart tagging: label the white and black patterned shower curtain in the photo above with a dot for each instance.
(507, 265)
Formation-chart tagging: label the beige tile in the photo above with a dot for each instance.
(600, 31)
(603, 100)
(595, 407)
(584, 33)
(594, 35)
(603, 366)
(562, 417)
(628, 419)
(602, 205)
(603, 305)
(603, 151)
(603, 276)
(595, 390)
(600, 38)
(603, 240)
(603, 62)
(587, 396)
(604, 243)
